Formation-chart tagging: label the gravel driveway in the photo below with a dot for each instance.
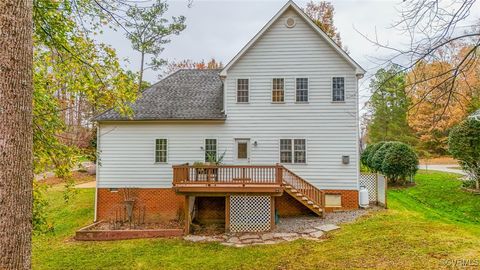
(442, 168)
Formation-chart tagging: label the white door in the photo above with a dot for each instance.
(242, 151)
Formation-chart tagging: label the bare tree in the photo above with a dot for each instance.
(148, 31)
(16, 172)
(190, 64)
(437, 31)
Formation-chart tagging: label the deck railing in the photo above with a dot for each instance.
(310, 191)
(227, 175)
(245, 175)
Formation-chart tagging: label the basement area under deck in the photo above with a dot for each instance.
(249, 193)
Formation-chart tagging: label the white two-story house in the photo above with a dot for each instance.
(280, 120)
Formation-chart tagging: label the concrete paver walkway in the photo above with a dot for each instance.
(86, 185)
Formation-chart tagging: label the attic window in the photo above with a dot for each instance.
(290, 22)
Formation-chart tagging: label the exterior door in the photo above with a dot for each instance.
(242, 151)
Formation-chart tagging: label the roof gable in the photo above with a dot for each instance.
(293, 6)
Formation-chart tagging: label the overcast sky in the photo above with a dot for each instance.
(220, 29)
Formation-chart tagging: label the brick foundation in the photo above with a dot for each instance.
(287, 206)
(349, 199)
(160, 204)
(163, 204)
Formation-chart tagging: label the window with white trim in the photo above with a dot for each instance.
(338, 89)
(293, 151)
(285, 151)
(160, 150)
(301, 86)
(278, 90)
(242, 90)
(299, 151)
(210, 150)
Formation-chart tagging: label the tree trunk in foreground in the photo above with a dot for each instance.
(16, 174)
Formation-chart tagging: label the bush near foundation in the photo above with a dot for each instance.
(396, 160)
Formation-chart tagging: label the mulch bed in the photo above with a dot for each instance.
(106, 226)
(102, 231)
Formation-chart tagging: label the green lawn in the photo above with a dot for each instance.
(426, 226)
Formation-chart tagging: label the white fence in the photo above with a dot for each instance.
(376, 184)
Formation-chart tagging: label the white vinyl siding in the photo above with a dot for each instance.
(330, 129)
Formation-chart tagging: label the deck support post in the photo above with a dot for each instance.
(227, 213)
(272, 213)
(187, 215)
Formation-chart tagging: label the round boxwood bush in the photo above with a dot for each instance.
(371, 154)
(399, 162)
(464, 145)
(364, 155)
(379, 156)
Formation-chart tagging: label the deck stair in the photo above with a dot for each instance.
(304, 192)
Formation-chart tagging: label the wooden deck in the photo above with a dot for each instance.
(220, 180)
(228, 179)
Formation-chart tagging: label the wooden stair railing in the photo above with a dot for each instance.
(304, 192)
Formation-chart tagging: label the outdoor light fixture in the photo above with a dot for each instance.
(255, 143)
(345, 159)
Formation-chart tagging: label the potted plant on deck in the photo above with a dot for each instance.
(208, 170)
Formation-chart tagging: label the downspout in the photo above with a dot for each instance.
(97, 170)
(357, 120)
(224, 98)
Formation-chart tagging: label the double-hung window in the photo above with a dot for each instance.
(210, 150)
(338, 89)
(278, 90)
(293, 151)
(301, 86)
(161, 150)
(242, 90)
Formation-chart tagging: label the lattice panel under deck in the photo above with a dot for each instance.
(250, 213)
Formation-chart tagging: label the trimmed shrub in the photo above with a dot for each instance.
(464, 145)
(379, 156)
(399, 162)
(371, 154)
(365, 154)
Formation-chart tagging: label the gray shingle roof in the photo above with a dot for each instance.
(185, 94)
